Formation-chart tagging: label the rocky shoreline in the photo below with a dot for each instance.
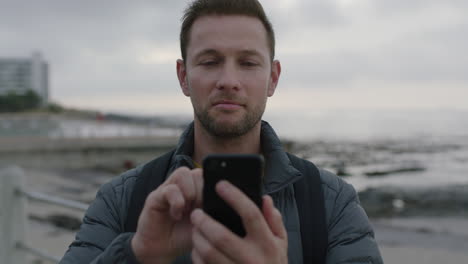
(410, 202)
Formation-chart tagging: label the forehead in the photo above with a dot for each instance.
(225, 33)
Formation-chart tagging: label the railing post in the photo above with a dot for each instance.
(12, 215)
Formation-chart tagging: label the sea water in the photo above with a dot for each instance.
(418, 148)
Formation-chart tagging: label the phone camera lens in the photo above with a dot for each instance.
(223, 164)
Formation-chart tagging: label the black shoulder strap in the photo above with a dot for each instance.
(152, 175)
(311, 208)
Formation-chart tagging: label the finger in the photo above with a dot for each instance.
(181, 176)
(218, 235)
(174, 198)
(196, 259)
(185, 180)
(191, 184)
(158, 199)
(250, 214)
(273, 217)
(207, 252)
(197, 175)
(175, 174)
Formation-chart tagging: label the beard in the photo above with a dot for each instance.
(233, 129)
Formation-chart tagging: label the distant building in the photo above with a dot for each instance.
(18, 75)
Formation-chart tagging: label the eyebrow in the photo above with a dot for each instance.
(250, 52)
(246, 52)
(206, 52)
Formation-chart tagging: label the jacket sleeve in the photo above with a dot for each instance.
(100, 238)
(350, 234)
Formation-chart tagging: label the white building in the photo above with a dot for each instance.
(19, 75)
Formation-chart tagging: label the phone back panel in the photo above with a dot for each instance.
(242, 170)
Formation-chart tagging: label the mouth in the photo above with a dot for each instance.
(227, 105)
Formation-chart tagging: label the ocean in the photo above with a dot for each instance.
(411, 149)
(384, 148)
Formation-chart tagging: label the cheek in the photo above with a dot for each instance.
(202, 81)
(259, 86)
(199, 89)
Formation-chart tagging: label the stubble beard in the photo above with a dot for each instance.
(234, 130)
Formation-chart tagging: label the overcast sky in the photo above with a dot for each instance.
(336, 54)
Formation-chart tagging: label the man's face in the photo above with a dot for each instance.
(228, 73)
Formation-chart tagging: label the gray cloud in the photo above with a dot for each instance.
(98, 48)
(88, 24)
(396, 7)
(404, 43)
(91, 46)
(306, 14)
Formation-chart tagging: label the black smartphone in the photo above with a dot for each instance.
(242, 170)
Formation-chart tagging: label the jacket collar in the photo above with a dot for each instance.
(278, 168)
(279, 172)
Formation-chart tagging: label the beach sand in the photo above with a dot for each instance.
(432, 240)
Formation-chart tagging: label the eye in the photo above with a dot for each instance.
(209, 63)
(249, 63)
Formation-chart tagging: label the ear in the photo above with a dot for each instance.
(182, 76)
(274, 78)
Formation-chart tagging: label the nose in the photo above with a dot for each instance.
(228, 78)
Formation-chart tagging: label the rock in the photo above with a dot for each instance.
(341, 169)
(390, 202)
(393, 171)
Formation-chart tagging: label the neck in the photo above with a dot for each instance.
(206, 143)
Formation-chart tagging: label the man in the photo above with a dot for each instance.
(228, 70)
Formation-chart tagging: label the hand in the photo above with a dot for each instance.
(164, 228)
(266, 240)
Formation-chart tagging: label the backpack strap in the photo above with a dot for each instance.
(151, 176)
(311, 208)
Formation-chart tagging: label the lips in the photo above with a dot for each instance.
(227, 105)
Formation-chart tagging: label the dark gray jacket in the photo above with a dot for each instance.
(350, 235)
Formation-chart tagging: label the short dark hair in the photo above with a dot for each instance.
(199, 8)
